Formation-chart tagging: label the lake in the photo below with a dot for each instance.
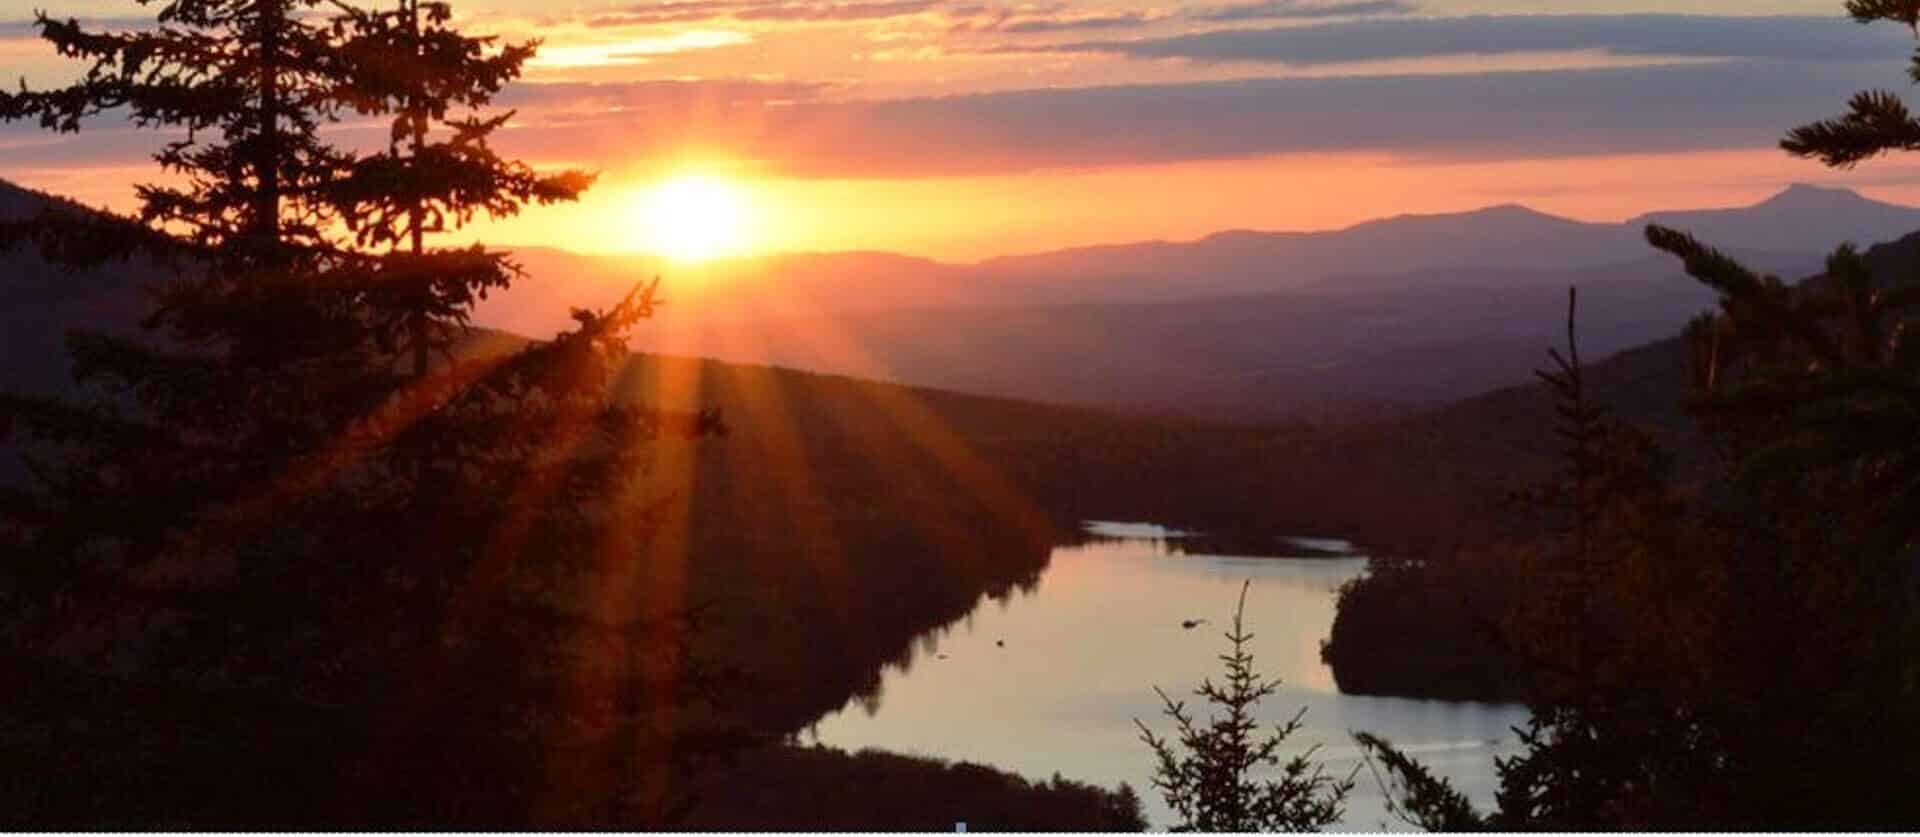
(1052, 679)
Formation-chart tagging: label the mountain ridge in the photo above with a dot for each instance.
(1240, 325)
(1214, 338)
(1797, 222)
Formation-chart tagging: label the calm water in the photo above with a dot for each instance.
(1084, 649)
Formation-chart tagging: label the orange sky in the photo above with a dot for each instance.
(959, 130)
(969, 218)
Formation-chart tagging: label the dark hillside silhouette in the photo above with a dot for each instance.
(1243, 358)
(43, 300)
(808, 789)
(1503, 441)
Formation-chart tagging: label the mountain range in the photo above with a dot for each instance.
(1247, 326)
(1386, 316)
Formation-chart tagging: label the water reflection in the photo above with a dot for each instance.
(1051, 679)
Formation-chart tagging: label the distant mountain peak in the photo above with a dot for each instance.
(1520, 211)
(1507, 213)
(1804, 195)
(1509, 208)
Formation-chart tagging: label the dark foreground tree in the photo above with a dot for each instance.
(1223, 775)
(1747, 657)
(314, 553)
(1689, 657)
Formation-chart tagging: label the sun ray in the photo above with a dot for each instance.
(783, 444)
(921, 427)
(643, 583)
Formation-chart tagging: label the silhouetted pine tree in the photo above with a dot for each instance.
(1614, 738)
(406, 63)
(1746, 658)
(1822, 381)
(316, 554)
(1413, 794)
(1226, 778)
(1877, 121)
(1813, 392)
(1814, 386)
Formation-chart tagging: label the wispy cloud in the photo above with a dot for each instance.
(1029, 18)
(794, 129)
(1799, 69)
(783, 11)
(664, 97)
(1532, 114)
(1074, 23)
(1044, 19)
(1383, 39)
(636, 50)
(1296, 10)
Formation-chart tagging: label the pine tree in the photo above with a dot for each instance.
(373, 563)
(1814, 385)
(1216, 784)
(1745, 657)
(406, 63)
(1823, 379)
(1612, 740)
(1812, 391)
(1877, 122)
(1690, 655)
(1413, 794)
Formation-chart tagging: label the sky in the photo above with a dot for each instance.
(964, 129)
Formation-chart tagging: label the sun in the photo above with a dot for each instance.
(695, 217)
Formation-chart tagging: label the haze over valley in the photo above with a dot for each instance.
(1385, 316)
